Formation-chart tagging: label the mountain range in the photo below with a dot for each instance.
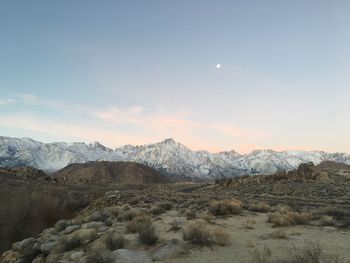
(168, 156)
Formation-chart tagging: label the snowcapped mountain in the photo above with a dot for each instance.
(168, 156)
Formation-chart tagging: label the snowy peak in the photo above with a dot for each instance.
(169, 141)
(167, 156)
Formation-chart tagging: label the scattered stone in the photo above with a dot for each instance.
(48, 246)
(24, 244)
(92, 225)
(172, 250)
(71, 229)
(39, 259)
(129, 256)
(77, 255)
(84, 235)
(11, 256)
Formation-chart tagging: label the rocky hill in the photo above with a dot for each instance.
(104, 172)
(22, 172)
(169, 157)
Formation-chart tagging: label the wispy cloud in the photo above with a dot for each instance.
(5, 101)
(115, 114)
(180, 125)
(34, 100)
(68, 131)
(130, 125)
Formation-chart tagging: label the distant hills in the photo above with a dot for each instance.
(104, 172)
(168, 157)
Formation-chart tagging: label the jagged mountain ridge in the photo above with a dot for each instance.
(168, 156)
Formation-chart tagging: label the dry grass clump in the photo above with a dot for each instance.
(249, 224)
(69, 243)
(114, 241)
(147, 234)
(310, 253)
(278, 234)
(99, 215)
(261, 207)
(157, 210)
(346, 223)
(138, 222)
(134, 201)
(200, 233)
(182, 212)
(191, 215)
(128, 214)
(166, 206)
(99, 257)
(225, 207)
(175, 225)
(262, 256)
(286, 217)
(161, 208)
(335, 212)
(114, 210)
(208, 217)
(327, 221)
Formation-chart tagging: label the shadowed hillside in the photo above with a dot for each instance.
(31, 201)
(109, 172)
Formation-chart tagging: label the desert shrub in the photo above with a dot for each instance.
(249, 224)
(200, 233)
(161, 208)
(225, 207)
(182, 211)
(138, 222)
(157, 210)
(261, 207)
(166, 206)
(69, 243)
(301, 218)
(288, 218)
(311, 253)
(208, 217)
(127, 215)
(335, 212)
(190, 215)
(114, 210)
(346, 223)
(134, 201)
(263, 256)
(327, 221)
(61, 225)
(220, 237)
(114, 241)
(98, 216)
(278, 234)
(99, 257)
(147, 234)
(175, 225)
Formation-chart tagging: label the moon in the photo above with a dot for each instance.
(218, 66)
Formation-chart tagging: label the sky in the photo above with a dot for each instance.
(137, 72)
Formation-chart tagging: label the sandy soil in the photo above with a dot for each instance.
(245, 241)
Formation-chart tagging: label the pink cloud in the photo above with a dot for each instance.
(119, 115)
(180, 126)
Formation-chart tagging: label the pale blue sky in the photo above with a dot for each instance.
(136, 72)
